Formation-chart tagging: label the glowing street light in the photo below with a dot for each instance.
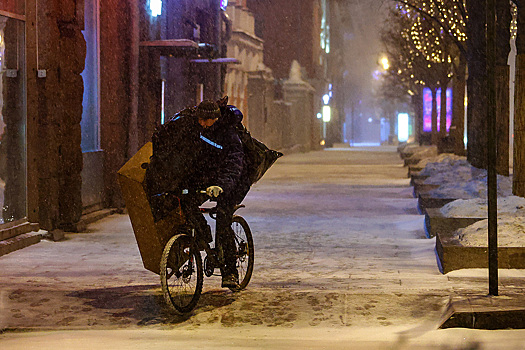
(385, 63)
(327, 114)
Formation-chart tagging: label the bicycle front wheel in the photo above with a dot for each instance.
(244, 250)
(181, 274)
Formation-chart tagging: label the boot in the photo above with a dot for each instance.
(231, 281)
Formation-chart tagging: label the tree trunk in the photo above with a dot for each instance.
(443, 112)
(443, 144)
(417, 102)
(434, 132)
(476, 85)
(392, 138)
(457, 129)
(518, 184)
(502, 119)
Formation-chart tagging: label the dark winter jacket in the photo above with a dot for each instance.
(220, 156)
(185, 155)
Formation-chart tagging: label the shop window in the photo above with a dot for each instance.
(90, 123)
(13, 190)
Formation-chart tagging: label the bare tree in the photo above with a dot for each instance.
(422, 50)
(451, 16)
(518, 186)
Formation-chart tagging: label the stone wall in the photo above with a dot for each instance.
(286, 123)
(62, 53)
(115, 84)
(300, 94)
(260, 89)
(248, 49)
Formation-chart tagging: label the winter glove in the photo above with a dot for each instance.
(214, 191)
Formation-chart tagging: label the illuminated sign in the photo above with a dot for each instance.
(427, 109)
(155, 7)
(402, 127)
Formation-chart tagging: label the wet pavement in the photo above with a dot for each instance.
(340, 255)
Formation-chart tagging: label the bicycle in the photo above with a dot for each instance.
(182, 267)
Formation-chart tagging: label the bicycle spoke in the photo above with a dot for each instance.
(244, 250)
(182, 278)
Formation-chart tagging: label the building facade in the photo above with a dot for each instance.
(296, 30)
(83, 84)
(248, 49)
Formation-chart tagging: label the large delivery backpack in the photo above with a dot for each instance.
(259, 157)
(163, 173)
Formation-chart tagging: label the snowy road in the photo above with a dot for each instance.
(341, 256)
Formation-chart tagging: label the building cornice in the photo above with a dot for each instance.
(248, 38)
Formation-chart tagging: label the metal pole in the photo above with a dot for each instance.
(218, 45)
(491, 145)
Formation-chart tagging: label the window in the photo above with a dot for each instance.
(91, 100)
(13, 190)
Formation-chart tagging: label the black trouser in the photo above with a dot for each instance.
(225, 237)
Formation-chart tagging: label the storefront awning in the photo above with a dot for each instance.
(223, 60)
(172, 47)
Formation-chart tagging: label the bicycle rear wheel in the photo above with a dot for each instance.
(244, 250)
(181, 274)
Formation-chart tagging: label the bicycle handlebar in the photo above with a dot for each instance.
(187, 191)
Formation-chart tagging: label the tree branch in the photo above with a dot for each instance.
(460, 46)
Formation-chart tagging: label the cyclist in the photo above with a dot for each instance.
(199, 148)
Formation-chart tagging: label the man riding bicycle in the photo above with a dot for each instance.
(199, 148)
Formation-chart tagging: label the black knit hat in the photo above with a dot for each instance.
(208, 109)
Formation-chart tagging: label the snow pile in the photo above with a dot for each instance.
(458, 179)
(443, 159)
(477, 207)
(511, 221)
(443, 173)
(295, 73)
(423, 153)
(416, 152)
(476, 187)
(402, 145)
(511, 232)
(411, 148)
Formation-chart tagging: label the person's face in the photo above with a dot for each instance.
(206, 123)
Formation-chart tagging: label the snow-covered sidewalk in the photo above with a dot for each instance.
(340, 257)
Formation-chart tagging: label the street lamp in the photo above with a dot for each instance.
(326, 113)
(385, 63)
